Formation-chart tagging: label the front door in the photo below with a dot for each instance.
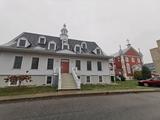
(65, 66)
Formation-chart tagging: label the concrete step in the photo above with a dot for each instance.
(68, 82)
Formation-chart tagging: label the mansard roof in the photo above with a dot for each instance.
(34, 37)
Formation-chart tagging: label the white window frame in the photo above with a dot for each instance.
(53, 63)
(51, 80)
(40, 39)
(79, 48)
(52, 42)
(138, 60)
(99, 79)
(63, 46)
(20, 40)
(89, 80)
(133, 59)
(126, 59)
(99, 50)
(85, 45)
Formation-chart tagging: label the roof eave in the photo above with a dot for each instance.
(47, 52)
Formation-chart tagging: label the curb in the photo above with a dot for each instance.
(80, 94)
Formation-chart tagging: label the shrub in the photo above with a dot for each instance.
(18, 78)
(138, 75)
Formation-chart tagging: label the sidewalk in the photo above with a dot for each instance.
(60, 94)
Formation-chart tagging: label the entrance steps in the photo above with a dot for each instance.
(68, 82)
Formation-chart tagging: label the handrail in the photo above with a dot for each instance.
(59, 79)
(77, 80)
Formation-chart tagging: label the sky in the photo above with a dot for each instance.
(107, 22)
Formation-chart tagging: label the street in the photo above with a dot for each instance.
(142, 106)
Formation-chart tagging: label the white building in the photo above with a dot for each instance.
(50, 60)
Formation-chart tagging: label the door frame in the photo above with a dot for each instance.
(67, 61)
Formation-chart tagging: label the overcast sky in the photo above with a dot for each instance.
(107, 22)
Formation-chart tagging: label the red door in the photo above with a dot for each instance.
(65, 66)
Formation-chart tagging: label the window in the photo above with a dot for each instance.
(52, 46)
(84, 45)
(50, 64)
(22, 43)
(98, 51)
(100, 79)
(89, 65)
(99, 66)
(49, 80)
(35, 62)
(133, 59)
(17, 62)
(88, 79)
(65, 47)
(42, 40)
(138, 60)
(78, 64)
(77, 49)
(128, 68)
(127, 59)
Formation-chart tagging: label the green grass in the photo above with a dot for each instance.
(9, 91)
(120, 85)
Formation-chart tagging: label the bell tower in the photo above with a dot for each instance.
(64, 34)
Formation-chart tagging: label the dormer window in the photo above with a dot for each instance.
(65, 46)
(84, 45)
(77, 49)
(98, 51)
(42, 40)
(22, 42)
(52, 46)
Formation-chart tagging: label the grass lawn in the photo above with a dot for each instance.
(9, 91)
(120, 85)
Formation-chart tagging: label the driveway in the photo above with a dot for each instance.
(142, 106)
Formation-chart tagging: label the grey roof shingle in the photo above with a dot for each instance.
(34, 37)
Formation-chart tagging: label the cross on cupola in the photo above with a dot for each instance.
(64, 34)
(128, 43)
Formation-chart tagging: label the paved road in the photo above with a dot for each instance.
(144, 106)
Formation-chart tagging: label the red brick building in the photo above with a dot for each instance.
(126, 61)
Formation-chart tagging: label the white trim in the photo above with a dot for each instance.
(133, 59)
(40, 39)
(51, 79)
(52, 42)
(53, 64)
(22, 38)
(99, 79)
(89, 79)
(79, 48)
(85, 45)
(99, 50)
(63, 46)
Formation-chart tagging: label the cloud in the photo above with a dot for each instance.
(107, 22)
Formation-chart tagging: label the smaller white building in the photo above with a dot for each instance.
(51, 60)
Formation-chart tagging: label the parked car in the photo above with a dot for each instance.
(155, 81)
